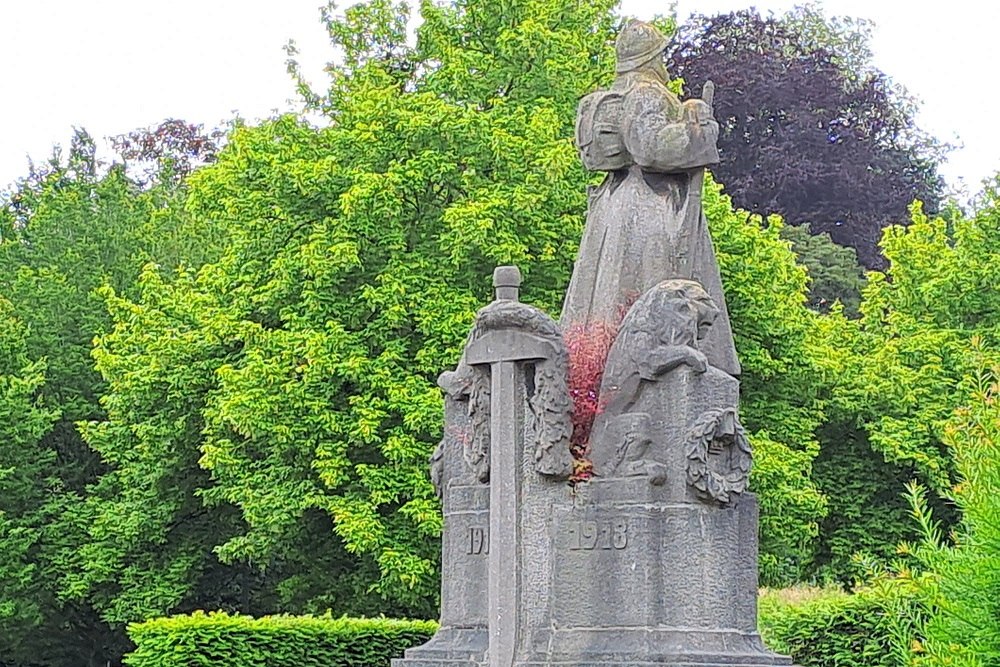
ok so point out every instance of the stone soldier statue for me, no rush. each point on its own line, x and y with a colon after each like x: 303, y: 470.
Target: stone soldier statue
x: 652, y: 561
x: 645, y: 222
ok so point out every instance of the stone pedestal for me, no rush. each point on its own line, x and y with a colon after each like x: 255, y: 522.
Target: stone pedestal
x: 640, y: 579
x: 463, y: 638
x: 651, y: 562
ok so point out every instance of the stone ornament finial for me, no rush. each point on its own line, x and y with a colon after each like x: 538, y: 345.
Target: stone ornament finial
x: 507, y: 283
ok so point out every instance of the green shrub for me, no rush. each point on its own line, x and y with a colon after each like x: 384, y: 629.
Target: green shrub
x: 220, y: 640
x: 817, y: 627
x: 956, y: 575
x: 831, y: 628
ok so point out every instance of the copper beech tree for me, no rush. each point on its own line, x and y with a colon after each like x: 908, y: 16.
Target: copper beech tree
x: 809, y: 129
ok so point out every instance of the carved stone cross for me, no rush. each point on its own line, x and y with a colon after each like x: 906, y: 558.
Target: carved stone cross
x: 506, y: 352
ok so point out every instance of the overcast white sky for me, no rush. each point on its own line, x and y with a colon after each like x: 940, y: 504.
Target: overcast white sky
x: 114, y: 65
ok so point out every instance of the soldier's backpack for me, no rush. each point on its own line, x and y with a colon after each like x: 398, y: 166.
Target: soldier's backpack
x: 598, y: 133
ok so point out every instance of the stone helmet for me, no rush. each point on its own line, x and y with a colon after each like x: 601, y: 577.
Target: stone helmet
x: 637, y: 44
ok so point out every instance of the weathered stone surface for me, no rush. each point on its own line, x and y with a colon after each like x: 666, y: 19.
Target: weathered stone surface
x: 654, y: 560
x: 508, y: 329
x: 654, y: 581
x: 463, y: 637
x: 640, y: 566
x: 664, y: 536
x: 667, y: 414
x: 515, y: 436
x: 522, y: 351
x: 644, y: 222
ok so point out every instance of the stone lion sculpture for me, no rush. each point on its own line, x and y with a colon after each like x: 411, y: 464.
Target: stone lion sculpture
x: 660, y: 334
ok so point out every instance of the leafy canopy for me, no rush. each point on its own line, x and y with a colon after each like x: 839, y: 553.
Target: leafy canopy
x: 66, y: 230
x: 282, y: 398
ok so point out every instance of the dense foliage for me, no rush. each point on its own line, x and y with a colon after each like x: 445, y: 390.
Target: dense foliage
x: 834, y: 272
x: 218, y: 359
x: 918, y: 321
x: 280, y: 403
x: 903, y: 379
x: 65, y: 231
x: 24, y: 478
x: 867, y: 514
x: 277, y: 641
x: 958, y: 579
x: 829, y: 628
x: 808, y: 129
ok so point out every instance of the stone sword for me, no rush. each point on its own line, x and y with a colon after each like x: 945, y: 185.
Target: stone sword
x: 506, y: 351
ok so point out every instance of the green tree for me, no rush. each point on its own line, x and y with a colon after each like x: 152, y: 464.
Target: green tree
x: 305, y: 357
x: 276, y: 409
x: 958, y: 578
x: 788, y: 370
x: 25, y: 487
x: 897, y: 394
x: 847, y: 157
x: 67, y: 229
x: 917, y: 321
x: 868, y: 516
x: 834, y: 271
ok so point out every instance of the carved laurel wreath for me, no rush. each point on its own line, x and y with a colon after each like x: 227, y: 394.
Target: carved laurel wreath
x: 477, y: 448
x: 711, y: 483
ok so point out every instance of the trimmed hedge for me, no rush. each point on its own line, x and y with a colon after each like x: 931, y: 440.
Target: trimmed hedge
x: 219, y: 640
x: 817, y: 627
x: 831, y: 628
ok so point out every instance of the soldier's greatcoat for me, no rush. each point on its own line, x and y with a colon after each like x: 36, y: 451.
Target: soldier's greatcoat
x: 645, y: 222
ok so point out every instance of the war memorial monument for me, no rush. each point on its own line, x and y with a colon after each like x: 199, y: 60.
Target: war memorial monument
x: 653, y: 560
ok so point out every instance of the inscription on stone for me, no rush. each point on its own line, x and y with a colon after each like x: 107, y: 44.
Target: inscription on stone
x: 590, y: 535
x: 479, y: 541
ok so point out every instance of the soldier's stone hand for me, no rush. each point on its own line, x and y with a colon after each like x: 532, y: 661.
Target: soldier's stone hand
x: 697, y: 111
